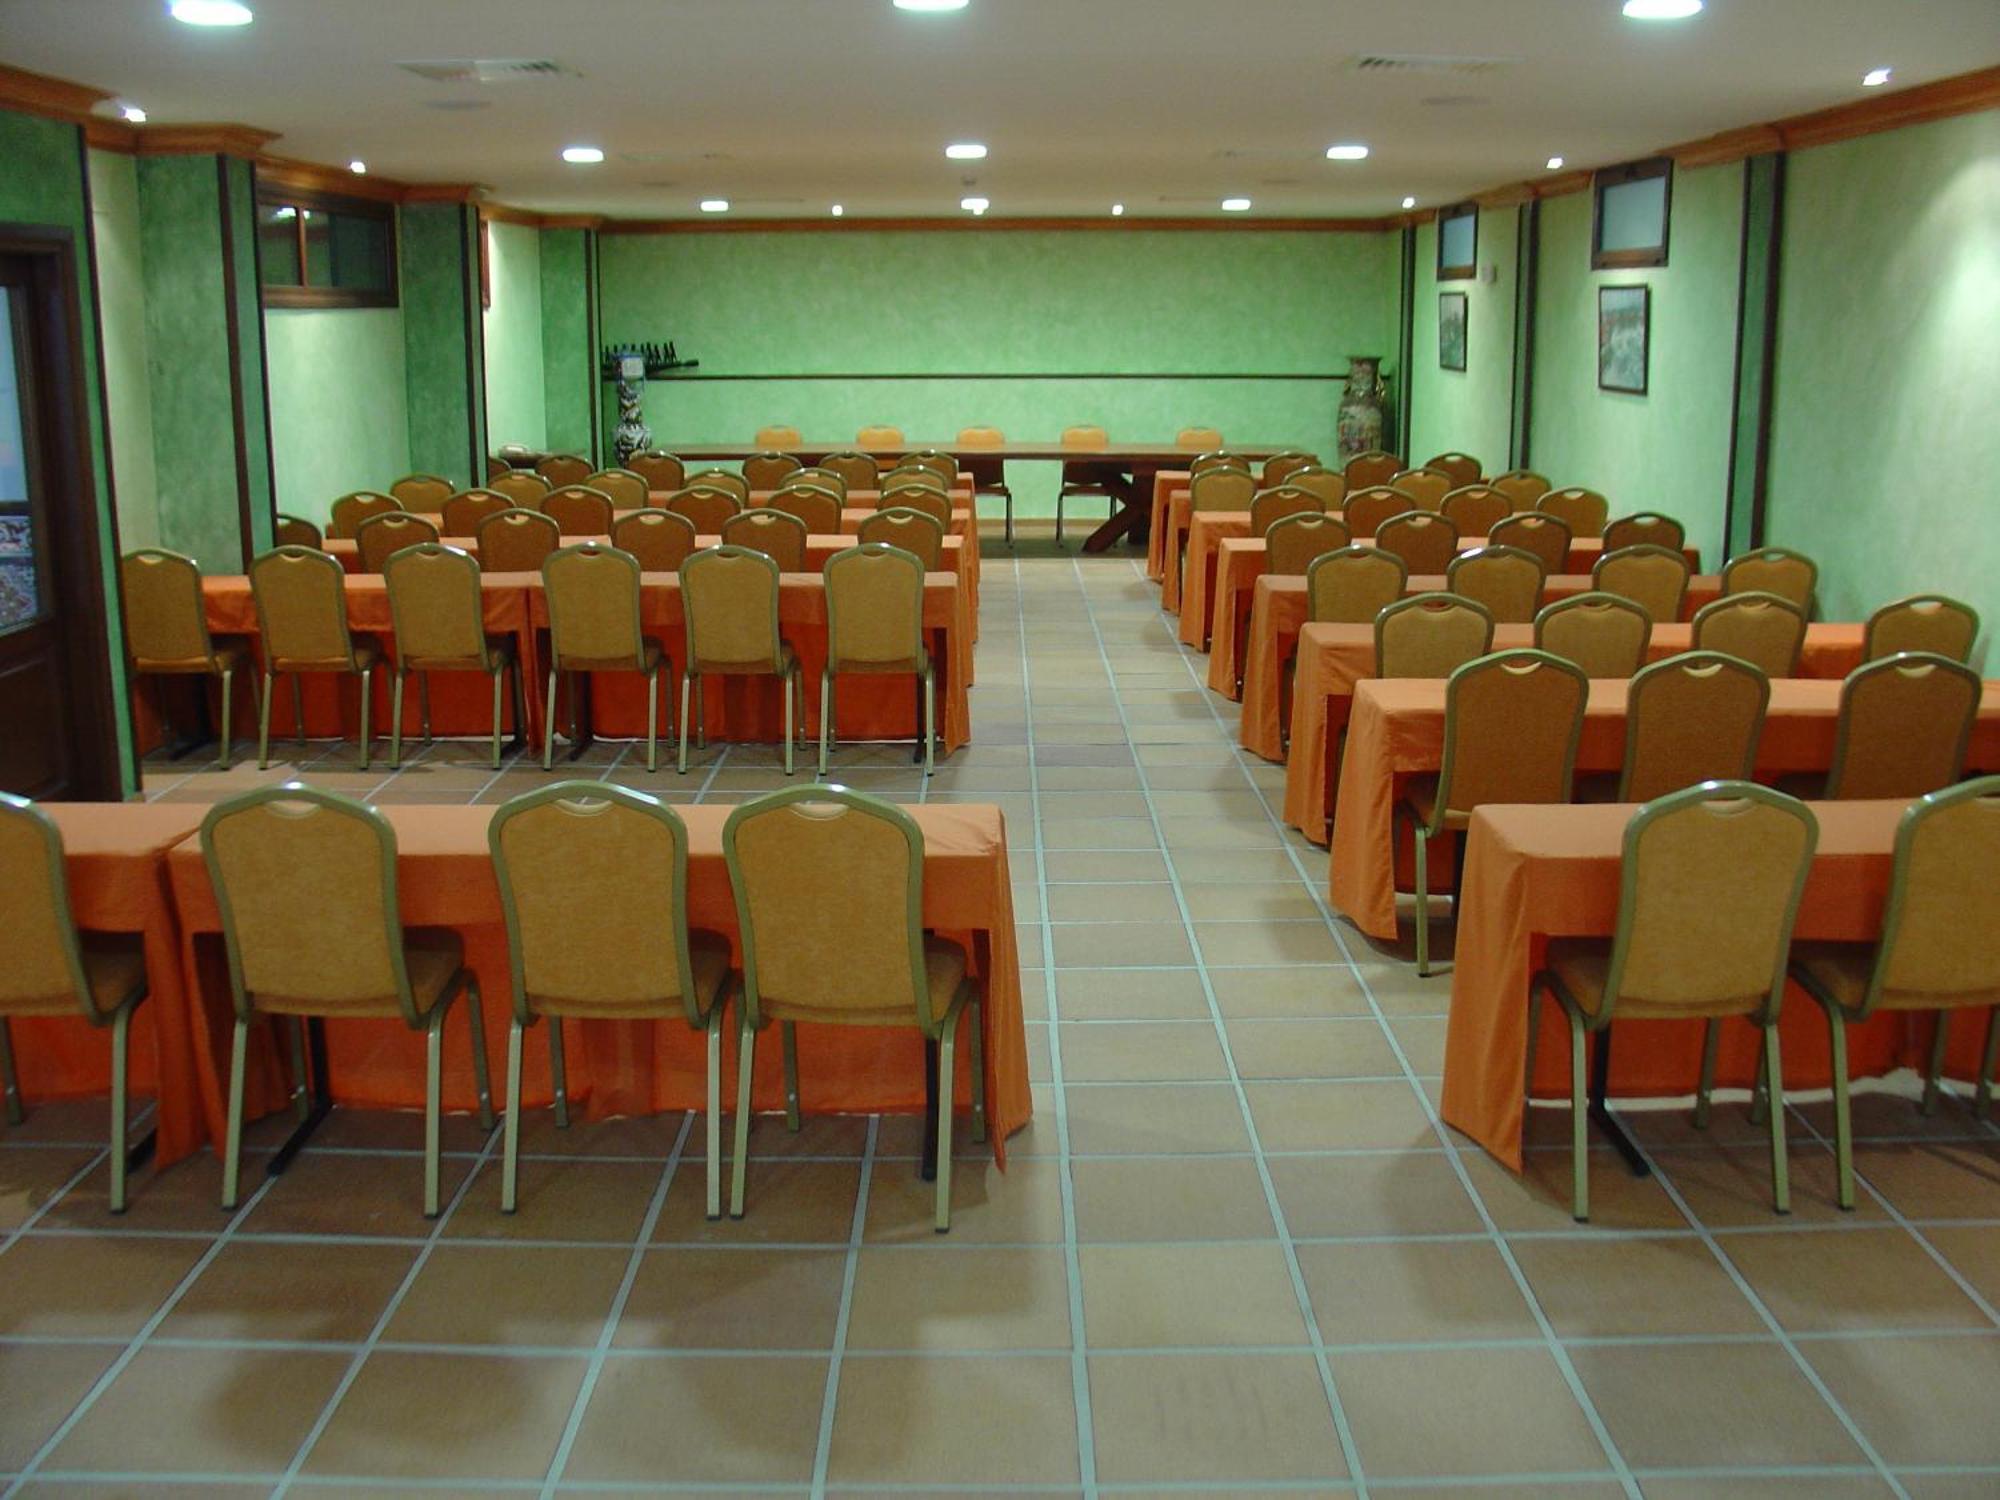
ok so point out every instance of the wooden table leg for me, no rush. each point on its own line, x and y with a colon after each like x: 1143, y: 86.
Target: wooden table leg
x: 1134, y: 514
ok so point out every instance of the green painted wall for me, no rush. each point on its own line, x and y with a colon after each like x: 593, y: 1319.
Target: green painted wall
x: 516, y: 411
x: 1667, y: 450
x: 442, y: 339
x: 339, y: 415
x: 128, y: 389
x: 1885, y: 441
x: 1466, y: 409
x: 569, y: 374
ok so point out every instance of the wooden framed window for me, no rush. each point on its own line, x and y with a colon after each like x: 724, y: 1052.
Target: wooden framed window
x: 1458, y: 242
x: 1630, y: 208
x: 322, y: 250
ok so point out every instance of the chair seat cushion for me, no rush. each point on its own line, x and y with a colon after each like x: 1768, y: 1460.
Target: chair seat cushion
x: 920, y: 663
x: 1583, y: 967
x: 114, y: 966
x: 787, y: 660
x: 499, y: 652
x: 650, y: 653
x: 1842, y: 970
x: 367, y: 656
x: 945, y: 968
x: 231, y: 656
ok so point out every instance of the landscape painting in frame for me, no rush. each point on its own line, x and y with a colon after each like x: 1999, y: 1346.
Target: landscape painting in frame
x: 1622, y: 319
x: 1451, y: 330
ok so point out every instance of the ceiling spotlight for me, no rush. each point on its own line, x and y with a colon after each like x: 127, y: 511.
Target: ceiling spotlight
x: 715, y: 205
x: 285, y: 211
x: 1555, y: 163
x: 974, y: 205
x: 358, y: 167
x: 1117, y: 210
x: 1354, y: 151
x: 1235, y: 205
x: 930, y: 5
x: 132, y: 114
x: 583, y: 156
x: 966, y: 151
x: 1874, y: 78
x: 838, y: 210
x: 1662, y: 10
x: 1409, y: 203
x: 209, y: 12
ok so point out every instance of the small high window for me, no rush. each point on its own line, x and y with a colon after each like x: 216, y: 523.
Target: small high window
x: 320, y: 250
x: 1458, y: 243
x: 1630, y: 208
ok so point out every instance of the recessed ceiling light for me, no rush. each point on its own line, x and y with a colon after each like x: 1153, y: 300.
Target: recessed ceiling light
x: 1662, y: 10
x: 1874, y: 78
x: 838, y: 210
x: 930, y: 4
x: 1235, y: 205
x: 974, y: 205
x: 210, y: 12
x: 1117, y: 210
x: 1353, y: 151
x: 583, y: 156
x: 715, y: 205
x: 965, y: 151
x: 132, y: 113
x: 358, y: 167
x: 1555, y: 163
x: 285, y: 211
x: 1409, y: 203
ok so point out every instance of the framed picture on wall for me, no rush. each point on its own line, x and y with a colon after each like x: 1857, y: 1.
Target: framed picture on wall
x: 1624, y: 316
x: 1451, y: 330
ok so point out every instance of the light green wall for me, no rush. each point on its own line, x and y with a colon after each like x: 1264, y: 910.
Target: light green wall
x: 1886, y: 422
x: 516, y: 410
x: 339, y: 417
x: 114, y: 197
x: 1667, y: 450
x: 442, y: 338
x: 569, y: 376
x: 1466, y: 410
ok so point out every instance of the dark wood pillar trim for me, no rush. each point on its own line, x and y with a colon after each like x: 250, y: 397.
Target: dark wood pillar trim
x: 1527, y: 292
x: 246, y: 534
x: 1759, y: 258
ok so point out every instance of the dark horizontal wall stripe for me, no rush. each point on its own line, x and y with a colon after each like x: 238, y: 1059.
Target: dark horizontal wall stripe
x: 1015, y: 375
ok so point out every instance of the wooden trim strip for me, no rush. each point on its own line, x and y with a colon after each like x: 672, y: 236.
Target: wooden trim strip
x: 247, y: 536
x: 295, y: 176
x: 53, y: 98
x: 202, y: 140
x: 678, y: 377
x: 971, y: 225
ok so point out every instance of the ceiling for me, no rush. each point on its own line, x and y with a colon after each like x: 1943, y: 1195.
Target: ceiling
x: 785, y: 107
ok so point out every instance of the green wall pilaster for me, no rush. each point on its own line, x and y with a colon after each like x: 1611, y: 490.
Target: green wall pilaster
x: 569, y: 357
x: 1469, y: 410
x: 443, y: 341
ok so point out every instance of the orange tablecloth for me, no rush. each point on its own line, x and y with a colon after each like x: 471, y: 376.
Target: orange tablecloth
x: 1278, y: 609
x: 1332, y: 658
x: 1395, y: 730
x: 1166, y: 484
x: 445, y: 879
x: 1532, y: 873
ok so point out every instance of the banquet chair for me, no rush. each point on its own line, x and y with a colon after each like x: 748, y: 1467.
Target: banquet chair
x: 1221, y: 489
x: 1522, y: 487
x: 593, y: 883
x: 1353, y: 585
x: 775, y: 533
x: 1922, y: 622
x: 293, y: 531
x: 1475, y: 509
x: 1688, y: 719
x: 463, y: 512
x: 729, y: 596
x: 933, y: 503
x: 421, y: 491
x: 864, y: 960
x: 380, y: 537
x: 592, y: 591
x: 1425, y: 486
x: 1905, y: 721
x: 306, y: 884
x: 1198, y: 439
x: 1511, y: 725
x: 166, y: 631
x: 1219, y: 458
x: 660, y: 539
x: 437, y: 609
x: 52, y: 970
x: 1292, y: 542
x: 661, y: 470
x: 1548, y: 537
x: 913, y: 531
x: 1647, y: 528
x: 1603, y: 634
x: 705, y: 506
x: 1772, y: 570
x: 1584, y: 510
x: 914, y: 476
x: 1316, y: 479
x: 818, y: 508
x: 1282, y: 500
x: 778, y: 437
x: 496, y: 466
x: 875, y: 625
x: 989, y: 474
x: 720, y: 479
x: 1366, y: 509
x: 1281, y: 466
x: 1935, y: 953
x: 515, y: 541
x: 1460, y: 468
x: 1762, y: 629
x: 301, y: 599
x: 1081, y: 476
x: 564, y: 468
x: 857, y: 471
x: 522, y: 486
x: 349, y: 511
x: 628, y: 489
x: 1709, y: 889
x: 879, y: 436
x: 820, y: 475
x: 1507, y: 581
x: 1425, y: 540
x: 936, y: 460
x: 1371, y: 468
x: 768, y: 470
x: 1430, y: 635
x: 579, y: 510
x: 1654, y: 578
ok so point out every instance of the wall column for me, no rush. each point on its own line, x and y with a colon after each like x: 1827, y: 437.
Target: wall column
x: 444, y: 352
x: 1756, y: 348
x: 571, y: 389
x: 1527, y: 266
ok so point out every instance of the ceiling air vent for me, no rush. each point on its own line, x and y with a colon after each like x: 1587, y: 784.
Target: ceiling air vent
x: 488, y: 69
x: 1413, y: 62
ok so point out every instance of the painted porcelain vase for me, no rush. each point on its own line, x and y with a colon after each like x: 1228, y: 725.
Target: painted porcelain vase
x: 632, y: 435
x: 1361, y: 405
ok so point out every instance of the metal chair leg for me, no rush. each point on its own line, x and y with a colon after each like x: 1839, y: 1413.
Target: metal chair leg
x: 510, y: 1155
x: 482, y: 1078
x: 264, y: 722
x: 424, y: 703
x: 299, y: 705
x: 222, y: 730
x: 1534, y: 1039
x: 1579, y: 1121
x: 788, y: 1036
x: 653, y: 720
x: 946, y: 1045
x: 1934, y: 1069
x: 1843, y: 1120
x: 367, y: 707
x: 302, y: 1100
x: 499, y: 676
x: 232, y: 1140
x: 1711, y: 1040
x: 746, y: 1060
x: 1760, y: 1101
x: 975, y: 1040
x: 714, y: 1163
x: 930, y: 721
x: 396, y: 721
x: 1982, y: 1097
x: 10, y: 1080
x: 687, y: 688
x: 549, y: 725
x: 120, y: 1026
x: 433, y: 1107
x: 825, y: 716
x: 1774, y: 1082
x: 789, y: 679
x: 558, y: 1072
x: 1423, y: 902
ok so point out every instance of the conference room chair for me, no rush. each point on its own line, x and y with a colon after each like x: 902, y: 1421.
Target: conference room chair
x: 661, y: 470
x: 422, y: 491
x: 766, y: 471
x: 818, y: 507
x: 522, y: 486
x: 626, y: 487
x: 382, y: 536
x: 166, y: 631
x: 1217, y: 458
x: 660, y: 539
x: 1691, y: 718
x: 1762, y: 629
x: 1584, y: 510
x: 1935, y: 953
x: 579, y: 510
x: 936, y: 460
x: 1475, y: 509
x: 1425, y: 540
x: 1353, y: 585
x: 1198, y: 439
x: 1905, y: 721
x: 777, y: 534
x: 1373, y: 467
x: 875, y: 626
x: 864, y: 959
x: 1282, y: 500
x: 729, y: 596
x: 1460, y: 468
x: 1522, y: 487
x: 306, y: 883
x: 1654, y: 578
x: 1922, y: 622
x: 496, y: 466
x: 349, y: 511
x: 1647, y: 529
x: 989, y: 475
x: 294, y: 531
x: 933, y: 503
x: 913, y: 531
x: 917, y: 476
x: 707, y: 507
x: 593, y: 883
x: 1505, y: 581
x: 778, y: 437
x: 1772, y: 570
x: 53, y: 971
x: 1430, y: 635
x: 1081, y: 476
x: 564, y: 468
x: 1316, y: 478
x: 301, y: 599
x: 821, y: 475
x: 592, y: 592
x: 879, y: 436
x: 1425, y: 486
x: 1280, y: 466
x: 515, y: 541
x: 464, y: 511
x: 1548, y: 537
x: 857, y: 471
x: 1604, y: 634
x: 1292, y: 542
x: 720, y: 479
x: 1709, y: 889
x: 439, y: 617
x: 1367, y: 508
x: 1221, y: 489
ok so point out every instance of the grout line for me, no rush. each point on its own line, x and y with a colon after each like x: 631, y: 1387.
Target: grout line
x: 823, y: 1443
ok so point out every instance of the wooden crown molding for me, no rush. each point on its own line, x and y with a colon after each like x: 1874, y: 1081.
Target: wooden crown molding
x: 1962, y: 94
x: 52, y: 98
x: 245, y: 141
x: 969, y: 224
x: 315, y: 177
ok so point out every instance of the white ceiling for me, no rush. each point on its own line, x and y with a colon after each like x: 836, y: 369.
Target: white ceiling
x: 787, y: 106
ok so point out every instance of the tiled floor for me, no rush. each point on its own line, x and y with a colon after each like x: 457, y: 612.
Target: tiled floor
x: 1235, y: 1253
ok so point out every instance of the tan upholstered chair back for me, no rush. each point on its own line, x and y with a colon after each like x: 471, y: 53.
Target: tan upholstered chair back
x: 294, y: 531
x: 775, y: 533
x: 1198, y: 439
x: 422, y: 492
x: 1654, y: 578
x: 1425, y: 540
x: 44, y: 970
x: 778, y: 437
x: 1354, y: 585
x: 914, y: 532
x: 813, y: 504
x: 1221, y: 458
x: 564, y: 468
x: 579, y: 510
x: 821, y: 475
x: 1430, y: 635
x: 1292, y: 542
x: 720, y: 479
x: 1084, y: 436
x: 939, y: 463
x: 1904, y: 724
x: 729, y: 596
x: 1366, y: 509
x: 301, y: 598
x: 1460, y: 468
x: 1766, y: 631
x: 1221, y: 489
x: 659, y: 539
x: 1425, y: 486
x: 707, y: 507
x: 1606, y: 636
x: 462, y: 513
x: 921, y: 476
x: 1476, y: 509
x: 874, y: 607
x: 1522, y: 487
x: 980, y: 437
x: 766, y: 471
x: 933, y: 503
x: 1772, y: 570
x: 1329, y: 484
x: 593, y: 598
x: 1548, y: 537
x: 1511, y: 724
x: 1507, y: 581
x: 857, y: 471
x: 434, y: 601
x: 661, y: 471
x: 1585, y: 510
x: 626, y: 487
x: 165, y: 620
x: 522, y: 486
x: 1944, y: 904
x: 879, y: 436
x: 1691, y: 718
x: 1922, y: 622
x: 1372, y: 468
x: 1648, y: 529
x: 381, y: 537
x: 516, y: 541
x: 1284, y: 500
x: 349, y: 511
x: 1280, y: 466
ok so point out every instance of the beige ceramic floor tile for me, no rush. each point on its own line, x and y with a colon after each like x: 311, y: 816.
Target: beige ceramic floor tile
x: 960, y: 1298
x: 1190, y: 1198
x: 1128, y: 1118
x: 1593, y: 1287
x: 71, y: 1286
x: 733, y: 1299
x: 1153, y: 1296
x: 1439, y: 1290
x: 1919, y: 1401
x: 1214, y: 1418
x: 262, y: 1289
x: 509, y: 1294
x: 415, y: 1416
x: 1846, y: 1280
x: 720, y: 1420
x: 43, y: 1382
x: 917, y: 1419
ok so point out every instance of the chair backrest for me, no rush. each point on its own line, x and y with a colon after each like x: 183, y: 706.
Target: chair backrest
x: 434, y: 603
x: 301, y: 598
x: 422, y: 491
x: 463, y: 512
x: 1766, y: 631
x: 720, y: 479
x: 729, y: 596
x: 1292, y: 542
x: 908, y: 474
x: 1506, y: 580
x: 1221, y: 489
x: 1425, y: 486
x: 1220, y: 458
x: 1937, y: 943
x: 1353, y: 585
x: 1654, y: 578
x: 593, y: 884
x: 813, y: 504
x: 496, y: 466
x: 306, y: 883
x: 1605, y: 635
x: 1475, y: 509
x: 295, y: 531
x: 383, y: 535
x: 1460, y: 468
x: 1430, y: 635
x: 165, y: 620
x: 627, y: 488
x: 1548, y: 537
x: 778, y: 437
x: 1366, y: 509
x: 874, y: 607
x: 1511, y: 725
x: 661, y: 471
x: 1691, y: 718
x: 1708, y: 892
x: 857, y: 471
x: 1646, y: 528
x: 879, y: 436
x: 349, y: 511
x: 1373, y: 467
x: 1522, y: 487
x: 1279, y: 466
x: 44, y: 961
x: 1922, y: 622
x: 766, y: 471
x: 706, y: 506
x: 1772, y: 570
x: 522, y: 486
x: 516, y: 541
x: 1585, y: 510
x: 1317, y: 479
x: 1084, y: 435
x: 980, y: 437
x: 913, y: 531
x: 1198, y: 439
x: 1905, y: 721
x: 938, y: 462
x: 777, y: 534
x: 660, y: 539
x: 564, y: 468
x: 1282, y: 500
x: 934, y: 503
x: 1425, y: 540
x: 821, y: 475
x: 579, y: 510
x: 592, y: 590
